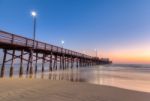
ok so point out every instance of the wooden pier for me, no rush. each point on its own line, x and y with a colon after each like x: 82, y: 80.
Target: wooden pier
x: 29, y: 50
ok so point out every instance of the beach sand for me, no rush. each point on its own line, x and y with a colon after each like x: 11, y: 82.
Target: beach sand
x: 49, y: 90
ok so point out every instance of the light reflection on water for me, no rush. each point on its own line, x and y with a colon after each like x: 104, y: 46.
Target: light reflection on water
x: 112, y: 75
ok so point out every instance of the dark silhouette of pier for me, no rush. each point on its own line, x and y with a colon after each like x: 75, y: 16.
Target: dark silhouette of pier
x: 57, y: 57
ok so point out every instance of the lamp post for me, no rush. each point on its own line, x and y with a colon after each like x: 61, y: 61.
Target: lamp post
x: 62, y: 42
x: 34, y: 14
x: 95, y: 52
x: 63, y: 61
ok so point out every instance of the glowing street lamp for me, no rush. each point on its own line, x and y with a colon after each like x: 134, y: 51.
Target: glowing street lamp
x: 33, y: 13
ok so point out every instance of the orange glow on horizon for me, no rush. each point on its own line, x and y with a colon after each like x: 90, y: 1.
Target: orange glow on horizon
x: 134, y: 54
x: 130, y: 59
x: 129, y: 56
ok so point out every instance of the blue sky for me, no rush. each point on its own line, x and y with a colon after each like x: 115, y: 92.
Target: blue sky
x: 108, y: 25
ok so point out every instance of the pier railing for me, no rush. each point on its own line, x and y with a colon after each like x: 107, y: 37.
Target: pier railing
x: 16, y: 40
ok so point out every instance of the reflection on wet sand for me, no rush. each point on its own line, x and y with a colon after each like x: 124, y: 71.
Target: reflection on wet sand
x: 127, y: 78
x: 69, y: 74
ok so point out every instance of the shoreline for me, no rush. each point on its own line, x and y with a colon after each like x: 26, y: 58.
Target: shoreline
x: 26, y: 89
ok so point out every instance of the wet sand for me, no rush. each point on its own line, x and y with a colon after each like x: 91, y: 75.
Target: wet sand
x: 53, y: 90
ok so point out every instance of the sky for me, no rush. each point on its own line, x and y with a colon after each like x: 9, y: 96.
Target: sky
x: 118, y: 29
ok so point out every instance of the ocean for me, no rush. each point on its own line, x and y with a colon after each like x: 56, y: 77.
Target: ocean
x: 126, y: 76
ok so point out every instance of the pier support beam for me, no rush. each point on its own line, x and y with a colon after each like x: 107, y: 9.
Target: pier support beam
x: 77, y: 63
x: 55, y: 62
x: 63, y: 61
x: 72, y: 62
x: 50, y: 64
x: 3, y: 64
x: 31, y: 62
x: 21, y: 64
x: 28, y: 64
x: 12, y: 62
x: 60, y: 62
x: 43, y: 62
x: 67, y: 62
x: 36, y: 64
